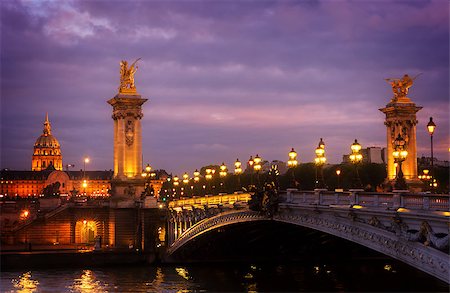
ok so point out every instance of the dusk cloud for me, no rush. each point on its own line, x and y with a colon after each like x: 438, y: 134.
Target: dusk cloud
x: 224, y: 79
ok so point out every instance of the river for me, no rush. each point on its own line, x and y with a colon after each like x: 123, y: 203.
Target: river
x: 355, y: 275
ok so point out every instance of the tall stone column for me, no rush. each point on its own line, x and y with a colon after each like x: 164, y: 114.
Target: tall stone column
x: 127, y: 115
x: 401, y: 119
x: 127, y: 183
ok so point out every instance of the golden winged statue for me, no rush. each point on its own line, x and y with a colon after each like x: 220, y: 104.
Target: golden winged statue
x: 400, y: 86
x: 127, y: 84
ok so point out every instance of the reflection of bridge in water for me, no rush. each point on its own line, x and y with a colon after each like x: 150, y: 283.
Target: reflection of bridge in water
x: 413, y: 228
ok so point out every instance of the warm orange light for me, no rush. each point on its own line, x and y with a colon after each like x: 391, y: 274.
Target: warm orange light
x: 87, y: 160
x: 237, y: 164
x: 431, y: 126
x: 292, y: 154
x: 223, y: 167
x: 84, y: 222
x: 24, y: 214
x: 338, y: 172
x: 257, y: 159
x: 251, y: 161
x: 196, y: 173
x: 148, y: 168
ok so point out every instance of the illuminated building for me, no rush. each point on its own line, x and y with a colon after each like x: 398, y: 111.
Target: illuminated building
x: 47, y: 150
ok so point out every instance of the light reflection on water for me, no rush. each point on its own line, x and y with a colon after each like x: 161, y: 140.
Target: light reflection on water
x: 24, y: 283
x: 225, y: 278
x: 88, y: 283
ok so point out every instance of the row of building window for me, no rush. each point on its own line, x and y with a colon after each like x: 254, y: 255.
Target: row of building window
x: 45, y: 152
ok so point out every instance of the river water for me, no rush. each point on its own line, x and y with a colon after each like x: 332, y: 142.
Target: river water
x: 355, y: 275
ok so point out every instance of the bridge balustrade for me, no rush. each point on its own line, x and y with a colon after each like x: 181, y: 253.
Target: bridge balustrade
x: 394, y: 200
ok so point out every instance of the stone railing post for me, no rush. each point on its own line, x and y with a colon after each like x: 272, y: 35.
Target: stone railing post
x: 353, y: 196
x: 426, y: 203
x: 290, y: 194
x: 397, y: 199
x: 318, y: 199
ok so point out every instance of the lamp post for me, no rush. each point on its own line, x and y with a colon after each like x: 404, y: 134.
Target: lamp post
x: 208, y: 177
x: 292, y: 163
x: 148, y: 175
x: 196, y: 179
x: 86, y: 160
x: 237, y: 172
x: 251, y: 162
x: 186, y: 181
x: 431, y: 127
x: 176, y: 183
x: 356, y: 158
x: 338, y: 173
x: 257, y: 167
x: 320, y: 160
x: 400, y: 153
x: 223, y: 173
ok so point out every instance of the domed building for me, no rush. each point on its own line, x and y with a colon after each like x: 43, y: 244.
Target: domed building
x: 47, y: 151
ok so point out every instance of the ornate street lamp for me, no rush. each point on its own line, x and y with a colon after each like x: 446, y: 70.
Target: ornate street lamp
x: 356, y: 158
x: 320, y: 160
x: 176, y: 183
x: 186, y: 182
x: 251, y: 162
x: 400, y: 153
x: 196, y: 178
x: 237, y: 172
x: 257, y: 167
x: 292, y: 163
x: 223, y: 173
x: 431, y: 127
x: 148, y: 175
x: 208, y: 177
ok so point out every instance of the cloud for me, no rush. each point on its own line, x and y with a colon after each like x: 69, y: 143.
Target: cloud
x: 224, y: 79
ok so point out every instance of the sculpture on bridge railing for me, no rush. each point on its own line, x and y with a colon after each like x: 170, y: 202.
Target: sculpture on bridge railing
x: 266, y: 200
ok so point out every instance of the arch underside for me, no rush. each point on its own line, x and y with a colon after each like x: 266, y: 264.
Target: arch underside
x: 427, y: 259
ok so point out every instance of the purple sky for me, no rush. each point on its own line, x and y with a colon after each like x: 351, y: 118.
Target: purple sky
x: 225, y: 79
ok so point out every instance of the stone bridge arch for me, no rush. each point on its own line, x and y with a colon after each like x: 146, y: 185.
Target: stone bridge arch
x: 395, y: 245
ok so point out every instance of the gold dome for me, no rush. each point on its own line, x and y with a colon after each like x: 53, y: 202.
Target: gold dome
x: 46, y: 141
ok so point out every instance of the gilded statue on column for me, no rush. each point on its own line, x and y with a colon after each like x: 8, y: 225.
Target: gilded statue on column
x: 127, y: 84
x: 400, y: 86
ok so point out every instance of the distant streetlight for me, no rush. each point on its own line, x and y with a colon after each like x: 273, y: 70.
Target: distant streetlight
x: 292, y: 164
x: 431, y: 127
x: 338, y: 173
x: 86, y: 160
x: 176, y: 183
x: 400, y: 153
x: 186, y: 182
x: 356, y: 158
x: 148, y: 175
x: 251, y: 162
x: 237, y: 172
x: 196, y: 178
x: 208, y: 177
x: 223, y: 173
x: 257, y: 167
x: 320, y: 160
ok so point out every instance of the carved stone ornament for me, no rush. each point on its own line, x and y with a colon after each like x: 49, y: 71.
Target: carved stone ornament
x: 129, y: 132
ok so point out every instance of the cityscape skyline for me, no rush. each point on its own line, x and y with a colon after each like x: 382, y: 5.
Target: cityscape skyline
x: 224, y: 81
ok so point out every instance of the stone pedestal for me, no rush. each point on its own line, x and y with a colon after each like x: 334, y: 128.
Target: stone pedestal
x: 401, y: 119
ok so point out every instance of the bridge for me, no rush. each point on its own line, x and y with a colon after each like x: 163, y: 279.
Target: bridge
x: 412, y: 228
